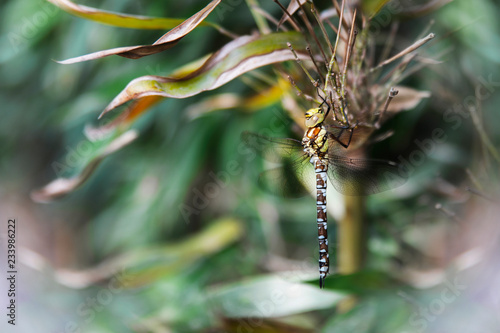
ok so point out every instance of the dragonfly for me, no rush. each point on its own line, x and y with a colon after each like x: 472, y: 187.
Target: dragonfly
x: 325, y: 148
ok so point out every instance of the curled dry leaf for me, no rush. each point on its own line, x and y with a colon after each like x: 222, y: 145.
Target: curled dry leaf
x: 241, y: 55
x: 62, y: 186
x: 406, y: 99
x: 142, y: 266
x: 292, y: 8
x: 167, y: 41
x: 224, y: 101
x: 214, y: 103
x: 123, y: 120
x: 118, y: 19
x: 412, y: 9
x: 372, y: 7
x: 407, y: 51
x: 140, y: 106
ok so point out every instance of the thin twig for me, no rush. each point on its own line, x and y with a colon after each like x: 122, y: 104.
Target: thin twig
x: 293, y: 22
x: 447, y: 212
x: 322, y: 27
x: 333, y: 59
x: 482, y: 134
x: 350, y: 44
x: 390, y: 41
x: 409, y: 49
x: 300, y: 64
x: 224, y: 31
x: 339, y: 33
x: 300, y: 92
x: 392, y: 93
x: 259, y: 19
x: 400, y: 68
x: 251, y: 82
x: 334, y: 28
x: 473, y: 178
x: 339, y: 11
x: 263, y: 77
x: 426, y: 29
x: 346, y: 61
x: 480, y: 194
x: 270, y: 18
x: 310, y: 29
x: 315, y: 65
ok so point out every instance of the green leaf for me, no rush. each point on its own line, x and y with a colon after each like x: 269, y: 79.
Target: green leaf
x: 242, y: 55
x: 361, y: 282
x: 372, y: 7
x: 143, y: 266
x: 255, y: 102
x: 84, y: 159
x: 387, y: 312
x: 120, y: 19
x: 360, y: 320
x: 270, y: 296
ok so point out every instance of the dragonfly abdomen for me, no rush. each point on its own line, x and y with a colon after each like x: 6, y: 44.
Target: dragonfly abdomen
x: 321, y: 169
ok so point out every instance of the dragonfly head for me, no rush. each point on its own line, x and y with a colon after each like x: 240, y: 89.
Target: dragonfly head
x: 314, y: 117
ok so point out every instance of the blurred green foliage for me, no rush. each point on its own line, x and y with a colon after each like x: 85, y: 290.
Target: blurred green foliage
x: 136, y: 202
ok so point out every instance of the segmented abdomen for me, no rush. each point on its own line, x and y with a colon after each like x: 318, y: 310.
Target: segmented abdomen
x: 320, y: 169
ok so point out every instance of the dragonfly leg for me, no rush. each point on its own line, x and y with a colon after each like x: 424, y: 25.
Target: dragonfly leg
x: 324, y: 102
x: 348, y: 128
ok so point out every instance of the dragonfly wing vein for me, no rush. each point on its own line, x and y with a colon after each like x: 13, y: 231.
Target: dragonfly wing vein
x: 272, y: 149
x: 364, y: 176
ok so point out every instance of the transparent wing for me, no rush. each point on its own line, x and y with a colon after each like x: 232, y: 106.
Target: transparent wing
x: 364, y: 176
x: 291, y: 180
x: 272, y: 149
x: 288, y: 179
x: 352, y: 137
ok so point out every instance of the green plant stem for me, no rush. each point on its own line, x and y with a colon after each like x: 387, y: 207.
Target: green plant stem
x: 478, y: 124
x: 259, y: 19
x: 351, y: 242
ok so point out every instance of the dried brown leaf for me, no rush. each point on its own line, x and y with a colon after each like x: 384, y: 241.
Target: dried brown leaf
x: 406, y: 99
x: 292, y: 8
x: 167, y: 41
x: 62, y: 186
x: 240, y: 56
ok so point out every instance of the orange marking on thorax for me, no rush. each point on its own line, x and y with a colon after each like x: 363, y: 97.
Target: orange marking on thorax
x: 312, y: 133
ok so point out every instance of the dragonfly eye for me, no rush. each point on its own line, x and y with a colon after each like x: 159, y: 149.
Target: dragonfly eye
x: 314, y: 117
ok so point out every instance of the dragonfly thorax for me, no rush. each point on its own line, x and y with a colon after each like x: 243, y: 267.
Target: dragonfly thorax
x: 315, y: 142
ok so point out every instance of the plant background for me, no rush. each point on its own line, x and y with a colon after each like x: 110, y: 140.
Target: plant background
x: 131, y: 205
